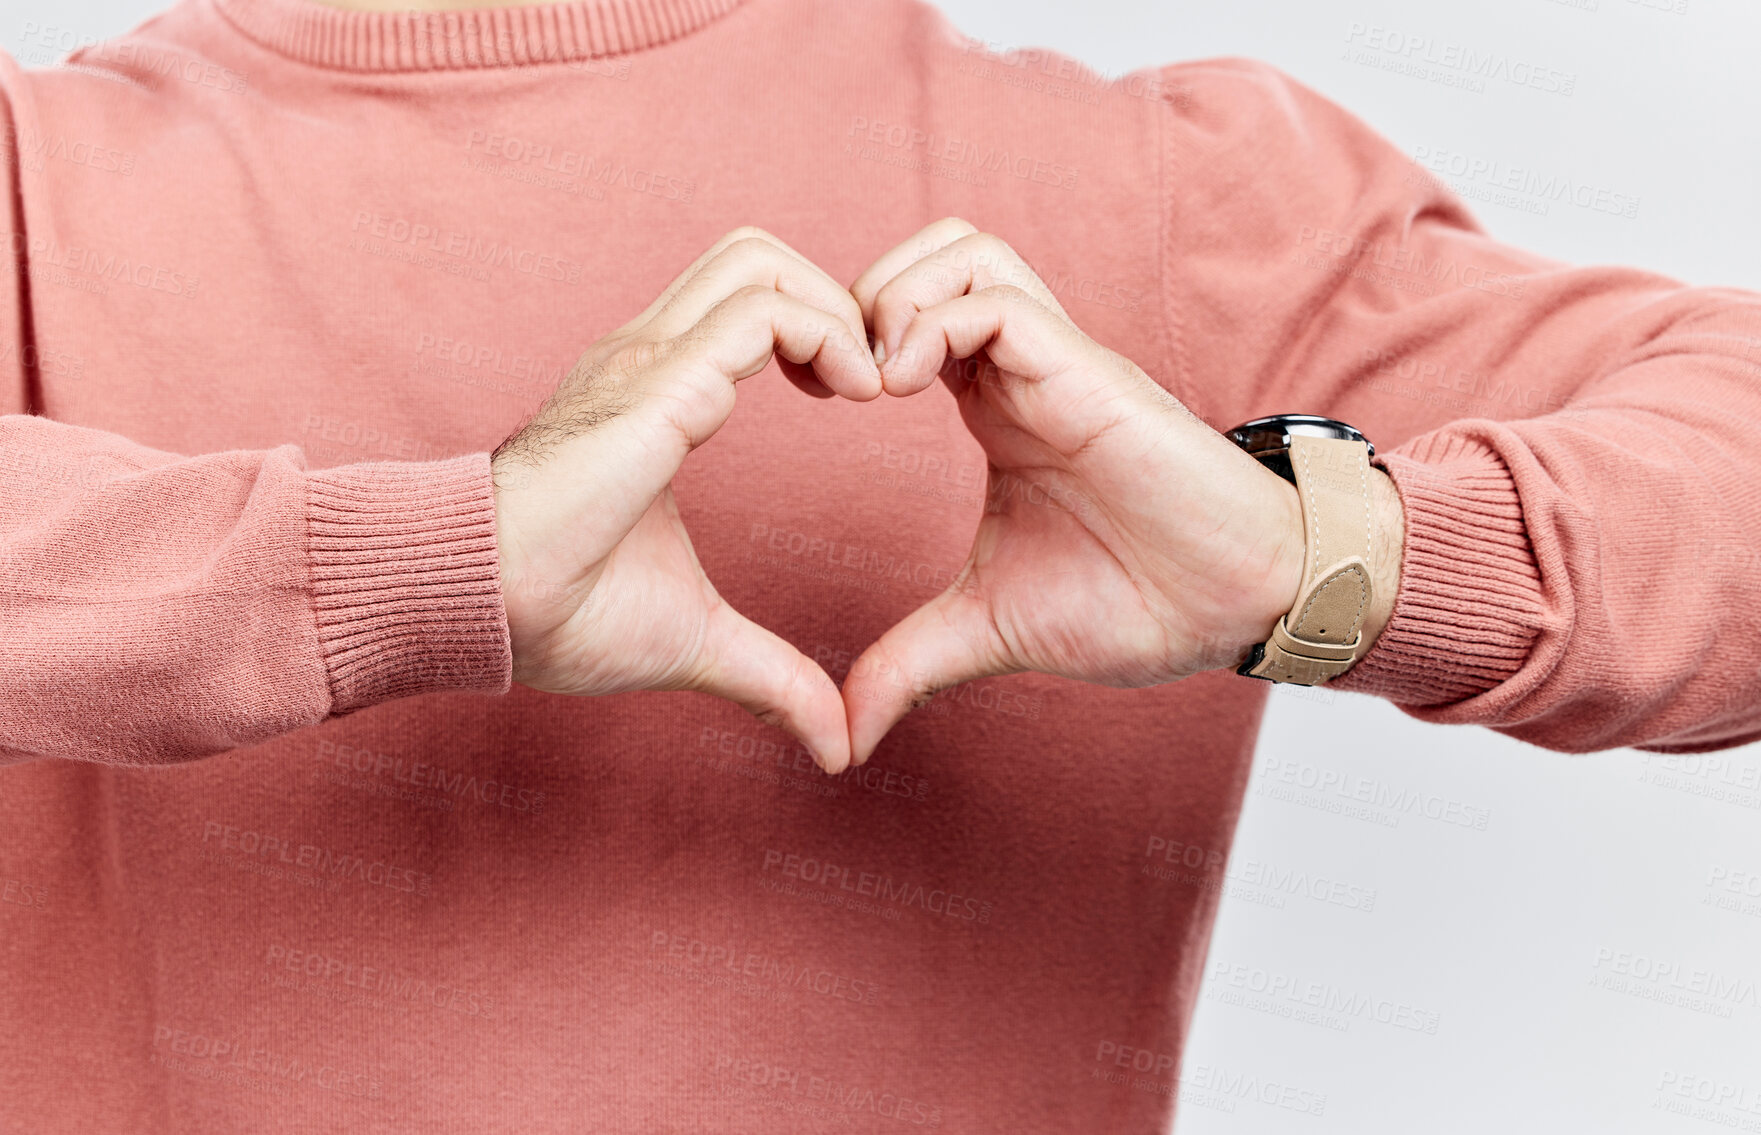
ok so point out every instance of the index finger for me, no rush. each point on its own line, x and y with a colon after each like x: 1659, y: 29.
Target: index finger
x: 744, y: 232
x: 930, y: 239
x: 750, y: 256
x: 968, y: 264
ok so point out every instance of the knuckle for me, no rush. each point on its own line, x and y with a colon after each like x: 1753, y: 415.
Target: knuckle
x: 838, y: 333
x: 689, y: 347
x: 912, y: 291
x: 586, y: 376
x: 638, y: 355
x: 939, y: 236
x: 750, y: 248
x: 613, y: 376
x: 887, y: 296
x: 748, y: 242
x: 750, y: 296
x: 1008, y: 293
x: 741, y: 305
x: 996, y: 257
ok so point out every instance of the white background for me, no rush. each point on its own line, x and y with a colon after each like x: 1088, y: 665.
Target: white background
x: 1513, y: 938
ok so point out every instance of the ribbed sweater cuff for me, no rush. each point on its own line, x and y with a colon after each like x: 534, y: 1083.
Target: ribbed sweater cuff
x: 1469, y: 606
x: 406, y: 579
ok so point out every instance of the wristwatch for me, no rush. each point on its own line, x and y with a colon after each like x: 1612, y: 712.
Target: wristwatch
x: 1329, y: 463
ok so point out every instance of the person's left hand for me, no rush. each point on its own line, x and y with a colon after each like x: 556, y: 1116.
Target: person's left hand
x: 1123, y: 542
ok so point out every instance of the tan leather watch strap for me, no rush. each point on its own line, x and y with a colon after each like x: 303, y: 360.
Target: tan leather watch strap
x: 1321, y: 636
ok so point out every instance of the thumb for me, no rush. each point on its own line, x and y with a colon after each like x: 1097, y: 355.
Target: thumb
x: 949, y: 640
x: 764, y: 675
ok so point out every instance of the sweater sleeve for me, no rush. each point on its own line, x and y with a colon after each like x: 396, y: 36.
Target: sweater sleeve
x: 1577, y: 449
x: 156, y: 608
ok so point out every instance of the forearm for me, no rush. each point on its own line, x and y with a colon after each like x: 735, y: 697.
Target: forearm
x: 156, y: 608
x: 1574, y: 449
x: 1587, y: 579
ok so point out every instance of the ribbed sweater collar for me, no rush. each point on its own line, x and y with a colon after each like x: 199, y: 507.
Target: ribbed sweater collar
x: 488, y: 37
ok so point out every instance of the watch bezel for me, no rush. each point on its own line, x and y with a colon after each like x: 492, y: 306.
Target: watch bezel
x: 1267, y: 439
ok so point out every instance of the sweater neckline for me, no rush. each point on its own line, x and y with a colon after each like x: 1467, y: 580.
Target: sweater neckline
x: 573, y: 30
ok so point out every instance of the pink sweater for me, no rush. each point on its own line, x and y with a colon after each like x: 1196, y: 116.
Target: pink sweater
x: 280, y: 849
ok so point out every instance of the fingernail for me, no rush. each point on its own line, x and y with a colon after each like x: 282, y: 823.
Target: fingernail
x: 880, y: 353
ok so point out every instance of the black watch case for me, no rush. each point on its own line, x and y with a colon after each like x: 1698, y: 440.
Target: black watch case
x: 1268, y: 439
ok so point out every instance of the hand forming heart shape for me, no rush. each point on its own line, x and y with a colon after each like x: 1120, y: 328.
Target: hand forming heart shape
x: 1123, y: 541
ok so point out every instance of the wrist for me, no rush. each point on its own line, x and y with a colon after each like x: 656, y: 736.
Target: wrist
x: 1285, y: 566
x: 1288, y: 567
x: 507, y: 478
x: 542, y: 583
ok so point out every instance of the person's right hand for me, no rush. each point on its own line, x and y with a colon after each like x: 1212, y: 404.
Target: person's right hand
x: 604, y: 593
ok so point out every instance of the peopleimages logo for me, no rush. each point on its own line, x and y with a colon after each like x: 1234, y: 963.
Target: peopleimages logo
x: 1738, y: 887
x: 377, y: 980
x: 566, y: 166
x: 463, y: 247
x: 1421, y: 55
x: 31, y: 151
x: 1422, y: 378
x: 1470, y: 169
x: 1670, y: 981
x: 1253, y: 880
x: 323, y: 862
x: 1051, y: 73
x: 213, y: 1056
x: 45, y: 469
x: 827, y: 1094
x: 20, y: 893
x: 791, y: 755
x: 1205, y: 1085
x: 836, y: 560
x: 1362, y: 797
x: 1711, y: 1092
x: 935, y: 900
x: 493, y: 360
x: 142, y: 60
x: 44, y: 359
x: 424, y: 774
x: 1713, y: 776
x: 1402, y: 263
x: 143, y: 64
x: 957, y: 154
x: 1209, y: 1085
x: 1327, y: 1004
x: 737, y: 960
x: 91, y: 269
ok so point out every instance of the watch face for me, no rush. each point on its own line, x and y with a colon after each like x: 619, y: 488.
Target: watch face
x: 1270, y: 437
